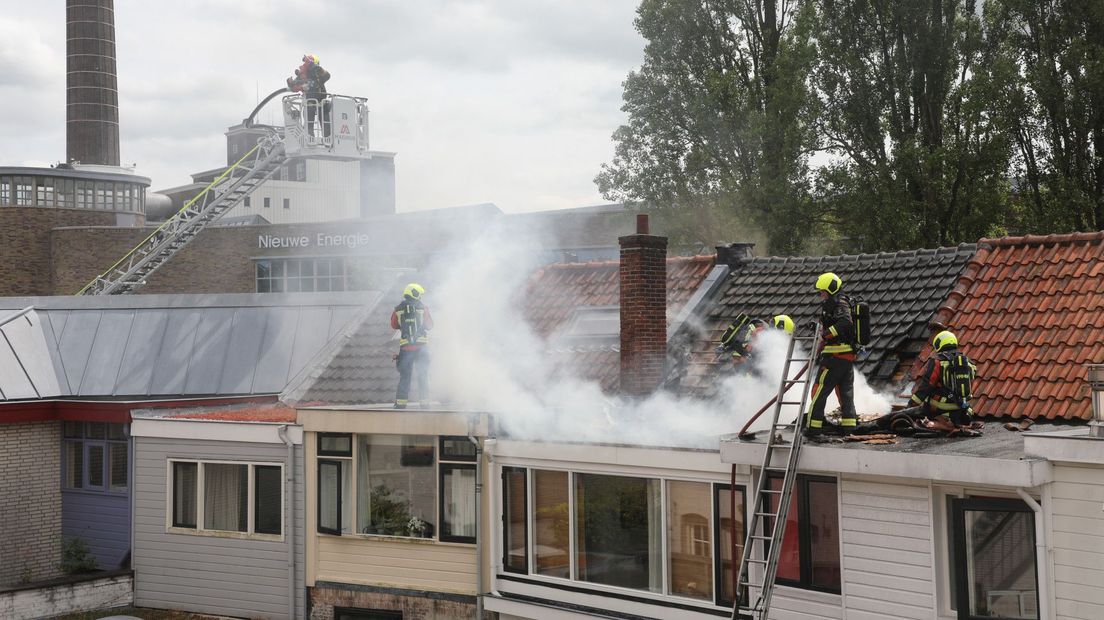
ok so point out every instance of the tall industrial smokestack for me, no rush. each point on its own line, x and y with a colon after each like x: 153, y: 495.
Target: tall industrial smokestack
x: 643, y: 310
x: 92, y: 90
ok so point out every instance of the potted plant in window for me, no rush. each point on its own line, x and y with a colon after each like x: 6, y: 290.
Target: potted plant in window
x: 388, y: 516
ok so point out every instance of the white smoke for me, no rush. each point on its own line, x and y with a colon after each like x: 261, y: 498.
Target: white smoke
x: 486, y: 357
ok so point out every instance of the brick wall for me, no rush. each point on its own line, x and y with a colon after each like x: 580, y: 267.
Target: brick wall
x: 643, y: 310
x: 25, y: 252
x: 30, y: 501
x: 422, y: 606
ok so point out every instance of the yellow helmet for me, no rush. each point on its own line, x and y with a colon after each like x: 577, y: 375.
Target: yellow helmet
x: 829, y: 283
x: 311, y: 58
x: 414, y: 291
x: 783, y: 322
x: 943, y: 340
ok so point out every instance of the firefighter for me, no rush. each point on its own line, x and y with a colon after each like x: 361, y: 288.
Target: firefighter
x: 836, y: 360
x: 739, y: 338
x: 411, y: 317
x: 310, y: 79
x: 944, y: 387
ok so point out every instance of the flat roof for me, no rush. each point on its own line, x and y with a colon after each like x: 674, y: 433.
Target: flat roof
x: 75, y: 173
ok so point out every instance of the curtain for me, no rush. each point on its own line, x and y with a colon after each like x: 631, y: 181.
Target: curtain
x: 224, y: 497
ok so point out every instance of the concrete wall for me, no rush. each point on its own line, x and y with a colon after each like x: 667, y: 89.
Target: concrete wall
x: 84, y: 593
x: 25, y: 250
x: 1077, y: 524
x: 30, y: 502
x: 209, y: 574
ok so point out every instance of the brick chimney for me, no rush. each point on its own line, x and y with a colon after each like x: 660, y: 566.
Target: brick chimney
x: 643, y: 310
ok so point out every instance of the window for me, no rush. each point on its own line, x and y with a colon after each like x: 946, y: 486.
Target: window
x: 24, y: 191
x: 300, y: 275
x: 396, y: 486
x: 267, y: 202
x: 5, y: 191
x: 681, y: 542
x: 690, y: 539
x: 617, y: 531
x: 95, y: 456
x: 515, y: 531
x: 287, y: 203
x: 457, y: 507
x: 243, y: 498
x: 994, y: 554
x: 809, y: 557
x: 334, y: 483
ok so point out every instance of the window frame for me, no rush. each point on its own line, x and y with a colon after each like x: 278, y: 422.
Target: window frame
x: 958, y: 508
x: 804, y: 540
x: 738, y: 542
x: 250, y: 499
x: 340, y: 503
x: 87, y: 443
x: 524, y: 471
x: 442, y: 468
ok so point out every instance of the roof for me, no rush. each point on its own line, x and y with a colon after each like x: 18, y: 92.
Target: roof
x: 140, y: 346
x: 278, y: 413
x: 903, y: 289
x: 555, y: 293
x: 362, y: 370
x: 1029, y: 311
x: 26, y: 370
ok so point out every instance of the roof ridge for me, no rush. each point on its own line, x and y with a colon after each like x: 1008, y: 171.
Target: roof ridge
x: 1051, y: 239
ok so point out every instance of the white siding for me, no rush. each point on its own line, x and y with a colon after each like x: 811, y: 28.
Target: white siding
x: 1077, y: 521
x: 398, y: 564
x: 886, y: 555
x: 205, y: 574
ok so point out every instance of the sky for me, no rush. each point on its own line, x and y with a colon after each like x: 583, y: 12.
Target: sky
x: 504, y: 101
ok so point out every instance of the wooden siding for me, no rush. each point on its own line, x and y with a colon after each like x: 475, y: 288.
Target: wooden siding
x: 102, y: 521
x: 887, y: 550
x: 1077, y: 524
x: 207, y: 574
x: 397, y: 564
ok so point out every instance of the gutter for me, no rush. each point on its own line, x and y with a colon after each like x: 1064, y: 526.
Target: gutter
x: 290, y: 517
x: 496, y: 553
x: 478, y: 518
x: 1041, y: 554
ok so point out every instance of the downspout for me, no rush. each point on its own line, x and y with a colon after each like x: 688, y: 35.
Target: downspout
x: 492, y: 498
x: 478, y: 519
x: 1040, y: 554
x: 290, y: 517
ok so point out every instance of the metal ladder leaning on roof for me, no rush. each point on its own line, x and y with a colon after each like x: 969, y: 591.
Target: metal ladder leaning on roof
x: 224, y: 193
x: 768, y: 523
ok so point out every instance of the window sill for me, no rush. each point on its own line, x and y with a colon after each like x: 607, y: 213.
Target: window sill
x: 221, y: 534
x: 398, y: 539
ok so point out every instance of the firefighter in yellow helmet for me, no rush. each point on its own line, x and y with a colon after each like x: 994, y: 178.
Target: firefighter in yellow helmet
x: 836, y: 361
x: 945, y: 386
x: 310, y: 79
x: 411, y: 317
x: 739, y: 338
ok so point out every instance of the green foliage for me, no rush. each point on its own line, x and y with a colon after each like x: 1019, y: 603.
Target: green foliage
x: 937, y: 122
x: 76, y: 557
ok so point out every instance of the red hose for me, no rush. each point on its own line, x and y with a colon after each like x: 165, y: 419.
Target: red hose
x: 769, y: 403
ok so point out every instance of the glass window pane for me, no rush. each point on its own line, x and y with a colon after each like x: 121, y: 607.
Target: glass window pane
x: 730, y: 547
x: 824, y: 542
x: 116, y: 432
x: 329, y: 497
x: 398, y: 486
x: 96, y: 465
x: 117, y: 466
x: 789, y: 560
x: 458, y: 501
x: 551, y: 527
x: 97, y: 430
x: 617, y: 531
x: 335, y: 445
x: 184, y: 494
x: 74, y: 464
x: 690, y: 539
x: 267, y: 507
x: 5, y: 190
x: 225, y: 490
x: 1000, y: 563
x: 514, y: 515
x: 457, y: 449
x: 73, y: 429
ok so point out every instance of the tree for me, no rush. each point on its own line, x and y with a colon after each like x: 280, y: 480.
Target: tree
x: 718, y: 130
x: 916, y: 158
x: 1051, y: 76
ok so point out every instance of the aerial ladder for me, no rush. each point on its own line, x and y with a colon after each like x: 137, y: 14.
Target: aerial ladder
x: 774, y: 487
x: 339, y: 131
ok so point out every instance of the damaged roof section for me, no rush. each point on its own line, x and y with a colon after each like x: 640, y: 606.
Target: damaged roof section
x: 574, y: 307
x: 1029, y: 311
x: 904, y: 289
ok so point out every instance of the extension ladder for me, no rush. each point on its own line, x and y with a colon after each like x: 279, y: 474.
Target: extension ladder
x: 771, y: 507
x: 223, y: 194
